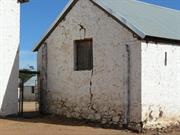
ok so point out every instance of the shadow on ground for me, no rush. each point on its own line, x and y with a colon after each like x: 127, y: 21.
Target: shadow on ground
x: 36, y: 117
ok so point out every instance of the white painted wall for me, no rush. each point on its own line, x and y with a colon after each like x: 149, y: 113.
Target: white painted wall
x: 154, y: 95
x: 67, y: 92
x: 9, y: 44
x: 28, y: 95
x: 160, y: 84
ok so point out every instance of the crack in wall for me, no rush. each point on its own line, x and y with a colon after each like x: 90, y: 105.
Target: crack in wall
x: 82, y: 28
x: 91, y: 104
x: 91, y: 112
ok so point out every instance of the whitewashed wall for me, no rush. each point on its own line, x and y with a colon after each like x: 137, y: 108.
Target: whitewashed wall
x: 160, y: 84
x: 68, y: 92
x: 9, y: 43
x: 29, y: 95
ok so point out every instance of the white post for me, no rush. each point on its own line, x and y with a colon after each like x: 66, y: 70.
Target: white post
x: 9, y: 56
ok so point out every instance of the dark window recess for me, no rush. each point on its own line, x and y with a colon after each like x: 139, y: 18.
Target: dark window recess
x: 32, y: 89
x: 83, y: 55
x: 165, y: 60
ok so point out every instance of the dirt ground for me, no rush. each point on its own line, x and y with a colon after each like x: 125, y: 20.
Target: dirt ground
x: 48, y: 125
x: 55, y: 126
x: 30, y: 106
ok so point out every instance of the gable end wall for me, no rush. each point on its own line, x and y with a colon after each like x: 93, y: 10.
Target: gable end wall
x: 70, y: 93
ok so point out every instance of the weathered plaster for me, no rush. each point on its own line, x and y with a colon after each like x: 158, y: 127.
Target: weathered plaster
x: 130, y: 82
x: 160, y: 84
x: 9, y: 44
x: 99, y: 95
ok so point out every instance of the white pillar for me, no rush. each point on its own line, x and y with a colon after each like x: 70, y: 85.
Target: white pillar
x: 9, y: 56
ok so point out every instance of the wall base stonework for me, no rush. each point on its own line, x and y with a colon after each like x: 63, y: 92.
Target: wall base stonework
x: 105, y: 115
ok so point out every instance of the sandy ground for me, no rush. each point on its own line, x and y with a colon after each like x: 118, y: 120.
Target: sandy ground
x: 48, y: 125
x: 30, y: 106
x: 56, y: 126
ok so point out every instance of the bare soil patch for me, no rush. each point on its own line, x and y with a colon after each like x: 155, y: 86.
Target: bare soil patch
x: 47, y: 125
x: 34, y: 124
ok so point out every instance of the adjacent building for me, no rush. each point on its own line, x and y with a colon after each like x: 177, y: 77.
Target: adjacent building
x: 31, y: 90
x: 9, y: 55
x: 115, y: 62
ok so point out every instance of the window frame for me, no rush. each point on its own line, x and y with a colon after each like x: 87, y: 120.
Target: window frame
x: 76, y: 68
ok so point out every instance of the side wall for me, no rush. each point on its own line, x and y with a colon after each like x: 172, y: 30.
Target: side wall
x: 9, y: 56
x: 160, y: 84
x: 101, y: 94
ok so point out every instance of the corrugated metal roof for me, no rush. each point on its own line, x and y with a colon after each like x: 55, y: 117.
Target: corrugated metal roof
x: 145, y: 19
x: 142, y: 18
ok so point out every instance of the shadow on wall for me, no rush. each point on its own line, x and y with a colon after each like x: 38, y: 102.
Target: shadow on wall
x: 10, y: 100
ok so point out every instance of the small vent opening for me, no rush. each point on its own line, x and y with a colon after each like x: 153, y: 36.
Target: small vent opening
x: 165, y: 60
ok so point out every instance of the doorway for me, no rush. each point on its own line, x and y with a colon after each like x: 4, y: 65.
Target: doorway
x: 28, y: 94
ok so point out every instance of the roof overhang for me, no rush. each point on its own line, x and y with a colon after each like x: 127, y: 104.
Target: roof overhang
x: 25, y: 75
x: 29, y: 72
x: 122, y: 20
x: 65, y: 11
x: 23, y: 1
x: 161, y: 40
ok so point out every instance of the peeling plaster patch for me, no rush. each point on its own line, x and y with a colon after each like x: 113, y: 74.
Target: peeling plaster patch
x: 151, y: 115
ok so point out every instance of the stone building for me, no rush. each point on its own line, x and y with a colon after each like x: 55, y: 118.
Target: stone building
x: 9, y: 55
x: 115, y: 62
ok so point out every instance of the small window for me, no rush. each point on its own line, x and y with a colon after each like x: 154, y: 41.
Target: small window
x: 83, y: 55
x: 32, y: 88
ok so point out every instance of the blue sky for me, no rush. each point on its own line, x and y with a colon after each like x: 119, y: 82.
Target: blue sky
x: 37, y: 16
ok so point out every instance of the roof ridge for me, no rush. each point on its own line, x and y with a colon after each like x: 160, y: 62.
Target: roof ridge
x: 158, y: 6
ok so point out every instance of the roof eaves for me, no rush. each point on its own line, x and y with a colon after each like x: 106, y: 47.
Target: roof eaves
x: 23, y: 1
x: 55, y: 23
x: 161, y: 40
